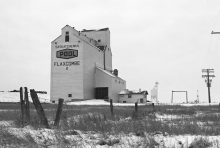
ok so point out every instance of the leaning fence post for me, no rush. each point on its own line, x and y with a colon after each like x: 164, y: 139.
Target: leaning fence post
x: 39, y: 108
x: 136, y: 106
x: 111, y: 106
x: 59, y: 110
x: 27, y: 110
x: 22, y: 106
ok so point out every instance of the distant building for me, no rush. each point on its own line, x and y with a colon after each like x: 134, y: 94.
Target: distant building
x: 127, y: 96
x: 81, y: 66
x: 154, y: 93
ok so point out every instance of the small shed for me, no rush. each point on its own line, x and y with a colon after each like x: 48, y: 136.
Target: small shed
x: 127, y: 96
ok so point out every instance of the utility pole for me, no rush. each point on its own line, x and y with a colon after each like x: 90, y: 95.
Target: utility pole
x: 208, y: 80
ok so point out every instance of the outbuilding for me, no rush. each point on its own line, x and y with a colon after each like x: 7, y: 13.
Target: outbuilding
x: 127, y: 96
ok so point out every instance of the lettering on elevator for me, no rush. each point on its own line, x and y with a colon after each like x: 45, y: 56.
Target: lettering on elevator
x: 68, y: 63
x: 67, y: 53
x: 66, y: 46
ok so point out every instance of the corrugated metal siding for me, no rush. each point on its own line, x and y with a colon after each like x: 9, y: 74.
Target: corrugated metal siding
x: 64, y: 82
x: 117, y: 86
x: 91, y: 56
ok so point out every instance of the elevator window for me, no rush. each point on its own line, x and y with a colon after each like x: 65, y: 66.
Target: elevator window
x: 67, y: 37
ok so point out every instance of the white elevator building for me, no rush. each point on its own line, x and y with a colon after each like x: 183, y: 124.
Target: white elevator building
x: 81, y: 66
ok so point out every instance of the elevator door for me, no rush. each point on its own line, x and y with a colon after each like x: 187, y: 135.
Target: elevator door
x: 101, y: 92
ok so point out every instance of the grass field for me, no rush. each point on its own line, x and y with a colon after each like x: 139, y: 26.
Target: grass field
x: 147, y: 126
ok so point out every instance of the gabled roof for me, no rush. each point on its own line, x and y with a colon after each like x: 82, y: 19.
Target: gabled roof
x: 126, y: 92
x: 67, y: 26
x: 56, y: 39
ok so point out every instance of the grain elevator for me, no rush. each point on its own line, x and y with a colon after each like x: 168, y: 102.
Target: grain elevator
x: 81, y: 66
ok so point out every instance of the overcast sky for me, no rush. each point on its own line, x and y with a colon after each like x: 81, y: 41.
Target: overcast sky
x: 151, y: 40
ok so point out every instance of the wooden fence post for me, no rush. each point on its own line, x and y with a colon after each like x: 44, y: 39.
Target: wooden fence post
x: 22, y: 106
x: 111, y: 106
x: 153, y: 106
x: 136, y: 106
x: 27, y: 110
x: 59, y: 110
x: 39, y: 108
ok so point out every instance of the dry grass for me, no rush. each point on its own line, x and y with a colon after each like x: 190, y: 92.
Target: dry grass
x: 200, y: 143
x: 9, y: 140
x: 194, y: 120
x: 126, y: 120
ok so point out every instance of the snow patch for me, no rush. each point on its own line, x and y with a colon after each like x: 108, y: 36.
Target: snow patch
x: 15, y: 97
x: 99, y: 102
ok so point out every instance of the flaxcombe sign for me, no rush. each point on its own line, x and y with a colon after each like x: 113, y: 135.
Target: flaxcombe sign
x: 67, y: 53
x: 69, y: 63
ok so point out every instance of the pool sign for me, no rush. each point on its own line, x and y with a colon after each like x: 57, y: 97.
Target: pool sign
x: 67, y: 53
